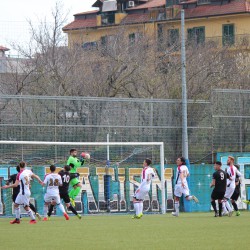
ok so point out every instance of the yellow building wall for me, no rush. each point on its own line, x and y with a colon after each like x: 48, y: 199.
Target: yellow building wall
x: 213, y: 25
x: 213, y: 28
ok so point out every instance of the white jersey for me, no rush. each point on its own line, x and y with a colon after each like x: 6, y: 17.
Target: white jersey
x: 181, y: 169
x: 146, y: 177
x: 53, y: 181
x: 24, y: 178
x: 232, y: 171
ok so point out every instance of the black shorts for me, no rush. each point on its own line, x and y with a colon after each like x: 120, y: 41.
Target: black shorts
x: 217, y: 195
x: 65, y: 197
x: 235, y: 196
x: 14, y: 195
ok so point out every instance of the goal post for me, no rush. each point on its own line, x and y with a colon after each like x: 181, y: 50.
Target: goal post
x: 120, y: 154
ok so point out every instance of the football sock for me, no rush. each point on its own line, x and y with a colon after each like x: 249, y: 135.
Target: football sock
x: 61, y: 207
x: 140, y: 207
x: 176, y: 206
x: 51, y: 207
x: 45, y: 211
x: 32, y: 207
x: 235, y: 206
x: 224, y: 206
x: 136, y: 206
x: 220, y: 208
x: 31, y: 215
x: 72, y: 209
x: 228, y: 206
x: 189, y: 198
x: 17, y: 212
x: 214, y: 206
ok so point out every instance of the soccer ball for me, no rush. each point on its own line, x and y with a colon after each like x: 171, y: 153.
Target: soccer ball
x: 85, y: 155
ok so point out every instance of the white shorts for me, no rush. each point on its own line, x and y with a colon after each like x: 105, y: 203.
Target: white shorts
x: 229, y: 192
x: 23, y: 199
x: 179, y: 191
x: 140, y: 195
x: 49, y: 198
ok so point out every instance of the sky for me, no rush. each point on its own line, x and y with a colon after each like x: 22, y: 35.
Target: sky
x: 15, y: 13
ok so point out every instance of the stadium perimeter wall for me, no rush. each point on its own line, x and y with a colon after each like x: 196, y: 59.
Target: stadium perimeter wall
x: 123, y: 183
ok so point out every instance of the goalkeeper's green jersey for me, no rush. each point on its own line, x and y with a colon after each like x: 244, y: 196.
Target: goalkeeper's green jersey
x: 74, y: 163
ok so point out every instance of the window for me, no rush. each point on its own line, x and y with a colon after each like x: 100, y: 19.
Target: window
x: 108, y: 18
x: 104, y: 41
x: 228, y: 34
x: 173, y: 37
x: 196, y: 35
x: 160, y: 37
x: 131, y: 38
x: 200, y: 2
x: 89, y: 45
x: 172, y: 2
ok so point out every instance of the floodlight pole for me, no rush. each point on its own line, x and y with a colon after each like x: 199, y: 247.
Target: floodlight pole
x: 184, y: 89
x: 184, y: 101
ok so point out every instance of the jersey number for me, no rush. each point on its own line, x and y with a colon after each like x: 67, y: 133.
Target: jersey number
x: 66, y: 178
x: 222, y: 176
x: 53, y: 182
x: 26, y: 178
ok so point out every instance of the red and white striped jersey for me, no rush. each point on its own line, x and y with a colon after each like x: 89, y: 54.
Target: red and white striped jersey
x: 146, y: 176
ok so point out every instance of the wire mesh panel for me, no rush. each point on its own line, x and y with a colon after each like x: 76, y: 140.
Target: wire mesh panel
x: 91, y: 119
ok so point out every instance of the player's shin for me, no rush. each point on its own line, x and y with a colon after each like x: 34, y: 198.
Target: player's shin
x: 235, y: 206
x: 220, y: 208
x: 45, y: 211
x: 214, y: 206
x: 17, y: 212
x: 61, y: 207
x: 32, y: 207
x: 176, y: 206
x: 72, y: 209
x: 136, y: 206
x: 31, y: 215
x: 51, y: 207
x: 140, y: 208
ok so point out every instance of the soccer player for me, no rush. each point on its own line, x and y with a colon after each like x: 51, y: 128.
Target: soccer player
x: 74, y: 163
x: 232, y: 171
x: 16, y: 191
x: 143, y: 189
x: 63, y: 190
x: 219, y: 183
x: 236, y: 193
x: 23, y: 198
x: 181, y: 185
x: 52, y: 181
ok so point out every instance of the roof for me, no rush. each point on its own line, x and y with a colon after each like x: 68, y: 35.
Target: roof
x: 3, y: 48
x: 80, y: 24
x: 136, y: 18
x: 149, y: 4
x: 87, y: 12
x: 233, y: 7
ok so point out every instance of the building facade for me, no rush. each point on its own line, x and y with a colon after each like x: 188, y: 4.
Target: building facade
x: 222, y: 22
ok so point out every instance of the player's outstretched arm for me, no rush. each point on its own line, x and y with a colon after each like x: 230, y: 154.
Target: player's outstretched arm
x: 12, y: 185
x: 38, y: 178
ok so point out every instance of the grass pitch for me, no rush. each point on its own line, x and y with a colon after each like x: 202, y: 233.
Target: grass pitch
x: 189, y: 231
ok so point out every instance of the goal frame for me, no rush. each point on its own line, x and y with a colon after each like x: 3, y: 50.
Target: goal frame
x: 160, y: 144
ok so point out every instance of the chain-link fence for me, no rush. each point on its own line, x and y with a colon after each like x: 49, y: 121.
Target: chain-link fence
x: 221, y: 124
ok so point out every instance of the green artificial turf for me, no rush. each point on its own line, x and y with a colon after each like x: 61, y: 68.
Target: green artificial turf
x: 188, y: 231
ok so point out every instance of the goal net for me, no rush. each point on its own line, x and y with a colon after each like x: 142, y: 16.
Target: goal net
x: 109, y: 179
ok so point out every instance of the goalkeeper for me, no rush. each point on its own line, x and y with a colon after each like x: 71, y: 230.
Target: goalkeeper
x: 74, y: 163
